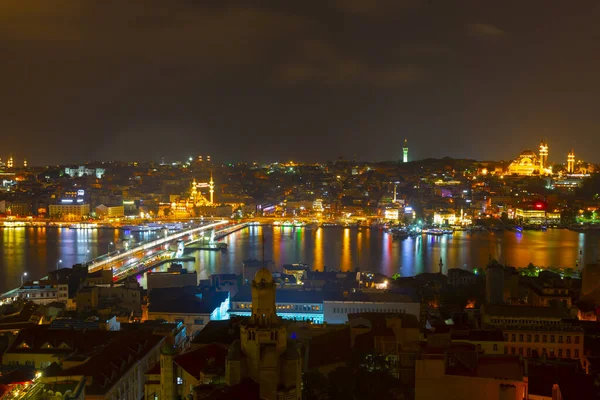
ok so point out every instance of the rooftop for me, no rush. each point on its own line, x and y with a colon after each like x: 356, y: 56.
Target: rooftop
x: 494, y: 310
x: 224, y: 332
x: 206, y: 359
x: 181, y: 301
x: 286, y: 296
x: 110, y: 360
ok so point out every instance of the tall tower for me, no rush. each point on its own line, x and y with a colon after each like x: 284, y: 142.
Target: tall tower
x: 167, y: 374
x: 571, y: 162
x: 10, y: 162
x: 211, y: 186
x: 270, y: 360
x: 194, y: 191
x: 405, y: 151
x: 543, y: 156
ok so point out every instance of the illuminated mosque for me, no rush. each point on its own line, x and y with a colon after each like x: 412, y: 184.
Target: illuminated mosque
x: 184, y: 207
x: 528, y: 163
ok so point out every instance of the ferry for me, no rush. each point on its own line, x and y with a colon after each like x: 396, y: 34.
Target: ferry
x: 434, y: 232
x: 290, y: 224
x: 135, y: 228
x: 519, y: 229
x: 177, y: 226
x: 400, y: 234
x: 83, y: 225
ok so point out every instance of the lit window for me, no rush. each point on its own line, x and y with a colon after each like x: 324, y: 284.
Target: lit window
x: 179, y: 380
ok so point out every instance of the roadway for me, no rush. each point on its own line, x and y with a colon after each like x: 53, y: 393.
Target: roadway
x: 120, y: 259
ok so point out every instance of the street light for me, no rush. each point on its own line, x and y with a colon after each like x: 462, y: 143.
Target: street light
x: 23, y: 276
x: 108, y: 247
x: 57, y: 263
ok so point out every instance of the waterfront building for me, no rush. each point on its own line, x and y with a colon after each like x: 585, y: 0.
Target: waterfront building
x: 536, y: 215
x: 391, y: 214
x: 536, y: 331
x: 264, y: 353
x: 447, y: 217
x: 110, y: 211
x: 69, y: 211
x: 16, y: 208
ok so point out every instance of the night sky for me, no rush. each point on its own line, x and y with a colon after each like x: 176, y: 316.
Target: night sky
x: 307, y: 80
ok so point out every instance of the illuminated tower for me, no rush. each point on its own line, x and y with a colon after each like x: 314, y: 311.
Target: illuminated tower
x: 10, y: 162
x: 543, y: 156
x: 211, y: 186
x: 194, y: 191
x: 571, y: 162
x: 405, y: 151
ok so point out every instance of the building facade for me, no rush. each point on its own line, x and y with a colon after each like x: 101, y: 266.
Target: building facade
x: 69, y: 211
x: 45, y: 291
x: 336, y: 311
x: 536, y: 331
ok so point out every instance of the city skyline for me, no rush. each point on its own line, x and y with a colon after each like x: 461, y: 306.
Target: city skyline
x: 406, y: 156
x: 311, y: 82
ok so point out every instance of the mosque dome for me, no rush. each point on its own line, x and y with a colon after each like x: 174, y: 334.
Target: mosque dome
x: 263, y: 275
x: 527, y: 153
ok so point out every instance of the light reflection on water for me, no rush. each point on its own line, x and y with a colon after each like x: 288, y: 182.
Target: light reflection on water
x: 37, y: 250
x: 375, y: 250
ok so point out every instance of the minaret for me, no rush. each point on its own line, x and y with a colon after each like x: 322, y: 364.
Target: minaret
x: 405, y: 151
x: 543, y: 156
x: 395, y: 193
x: 571, y: 162
x: 24, y: 163
x: 211, y: 186
x: 10, y: 162
x: 194, y: 191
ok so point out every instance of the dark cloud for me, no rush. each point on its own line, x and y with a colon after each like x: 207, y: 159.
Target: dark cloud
x: 89, y: 79
x: 486, y: 30
x: 376, y: 8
